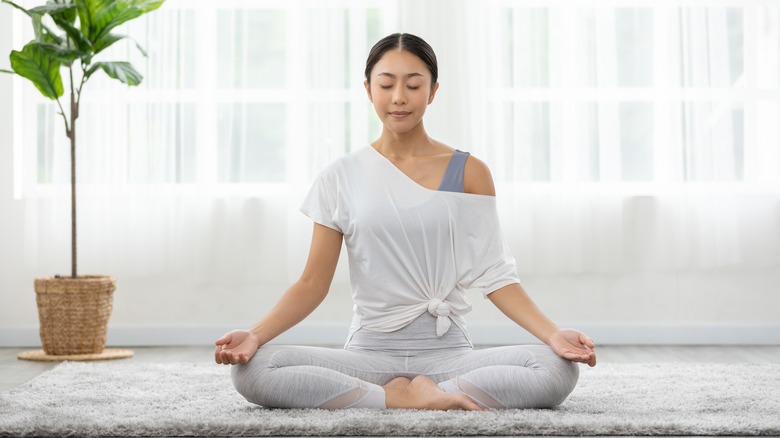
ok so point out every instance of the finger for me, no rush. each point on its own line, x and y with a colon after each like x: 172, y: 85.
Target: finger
x: 579, y: 350
x: 224, y: 340
x: 591, y: 360
x: 587, y: 341
x: 217, y: 356
x: 225, y: 357
x: 574, y: 357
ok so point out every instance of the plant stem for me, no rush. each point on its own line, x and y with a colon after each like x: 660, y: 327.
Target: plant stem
x: 72, y: 135
x: 64, y: 117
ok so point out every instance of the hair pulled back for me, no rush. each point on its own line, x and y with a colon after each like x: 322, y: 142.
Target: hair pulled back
x: 407, y: 42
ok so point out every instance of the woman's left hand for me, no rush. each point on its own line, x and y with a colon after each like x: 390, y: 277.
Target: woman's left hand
x: 574, y: 346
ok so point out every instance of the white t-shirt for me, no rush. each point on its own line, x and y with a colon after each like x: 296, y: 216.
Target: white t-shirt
x: 411, y: 249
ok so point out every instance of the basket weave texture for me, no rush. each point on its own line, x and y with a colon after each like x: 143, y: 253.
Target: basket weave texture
x: 74, y: 313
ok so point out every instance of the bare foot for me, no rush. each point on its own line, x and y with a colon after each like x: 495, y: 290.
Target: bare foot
x: 397, y: 384
x: 423, y: 393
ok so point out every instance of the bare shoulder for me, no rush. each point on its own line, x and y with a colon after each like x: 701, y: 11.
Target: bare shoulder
x: 442, y: 148
x: 477, y: 178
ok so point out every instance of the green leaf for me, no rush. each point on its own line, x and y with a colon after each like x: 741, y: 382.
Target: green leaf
x: 99, y: 17
x: 37, y: 24
x: 82, y: 43
x: 146, y: 5
x: 52, y: 9
x: 122, y: 71
x: 42, y: 33
x: 85, y: 17
x: 88, y: 11
x: 17, y: 7
x: 141, y: 49
x: 68, y: 14
x: 105, y: 41
x: 41, y: 69
x: 62, y: 54
x: 113, y: 16
x: 110, y: 14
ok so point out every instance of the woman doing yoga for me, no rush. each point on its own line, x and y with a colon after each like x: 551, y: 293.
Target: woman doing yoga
x: 420, y: 224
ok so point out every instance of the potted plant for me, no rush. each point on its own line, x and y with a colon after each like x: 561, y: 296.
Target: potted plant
x: 69, y: 34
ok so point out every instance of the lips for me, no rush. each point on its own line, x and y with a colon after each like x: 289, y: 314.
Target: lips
x: 399, y: 114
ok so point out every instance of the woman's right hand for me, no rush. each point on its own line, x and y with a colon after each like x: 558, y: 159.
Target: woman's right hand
x: 236, y: 347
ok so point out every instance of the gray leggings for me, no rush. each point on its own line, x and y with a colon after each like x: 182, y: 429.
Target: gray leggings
x: 529, y: 376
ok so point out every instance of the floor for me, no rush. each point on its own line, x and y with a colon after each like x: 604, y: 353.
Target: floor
x: 14, y: 372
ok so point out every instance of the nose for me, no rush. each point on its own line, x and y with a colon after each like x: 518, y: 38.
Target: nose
x: 399, y: 97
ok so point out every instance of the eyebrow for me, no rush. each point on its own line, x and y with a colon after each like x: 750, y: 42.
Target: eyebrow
x: 394, y: 76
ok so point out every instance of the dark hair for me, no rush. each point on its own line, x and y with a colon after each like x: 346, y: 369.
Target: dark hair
x: 408, y: 42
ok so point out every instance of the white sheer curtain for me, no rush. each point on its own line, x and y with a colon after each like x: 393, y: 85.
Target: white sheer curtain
x: 622, y: 139
x: 197, y: 173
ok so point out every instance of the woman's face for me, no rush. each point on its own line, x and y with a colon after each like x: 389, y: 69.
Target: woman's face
x: 400, y: 90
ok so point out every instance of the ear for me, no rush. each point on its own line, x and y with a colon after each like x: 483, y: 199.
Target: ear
x: 368, y: 91
x: 433, y: 93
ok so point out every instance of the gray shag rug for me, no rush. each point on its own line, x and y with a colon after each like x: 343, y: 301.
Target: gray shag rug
x: 188, y: 399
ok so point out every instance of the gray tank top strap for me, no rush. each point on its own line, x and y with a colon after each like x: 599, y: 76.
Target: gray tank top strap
x: 453, y: 176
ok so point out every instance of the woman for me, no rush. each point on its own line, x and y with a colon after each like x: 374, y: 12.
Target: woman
x: 420, y: 224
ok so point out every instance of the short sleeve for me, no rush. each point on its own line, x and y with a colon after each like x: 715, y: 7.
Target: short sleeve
x: 321, y: 204
x: 483, y: 258
x: 488, y: 274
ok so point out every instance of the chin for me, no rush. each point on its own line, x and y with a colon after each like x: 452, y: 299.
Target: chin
x: 401, y: 129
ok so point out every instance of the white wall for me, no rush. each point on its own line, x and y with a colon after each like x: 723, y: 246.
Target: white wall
x: 16, y: 305
x: 192, y: 303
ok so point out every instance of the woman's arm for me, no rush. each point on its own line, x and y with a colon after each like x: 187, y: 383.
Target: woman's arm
x: 515, y: 303
x: 296, y: 304
x: 308, y: 292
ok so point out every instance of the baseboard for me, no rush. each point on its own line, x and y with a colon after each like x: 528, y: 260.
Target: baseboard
x: 487, y: 334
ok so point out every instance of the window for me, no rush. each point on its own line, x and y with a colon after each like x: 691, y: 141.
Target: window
x: 632, y: 93
x: 268, y: 92
x: 234, y: 92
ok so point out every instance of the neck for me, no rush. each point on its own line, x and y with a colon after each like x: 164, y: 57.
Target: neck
x: 404, y: 145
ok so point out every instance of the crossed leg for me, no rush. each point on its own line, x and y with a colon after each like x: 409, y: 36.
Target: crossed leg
x: 312, y: 377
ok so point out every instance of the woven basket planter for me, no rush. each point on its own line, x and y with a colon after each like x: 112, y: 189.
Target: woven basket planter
x: 74, y: 313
